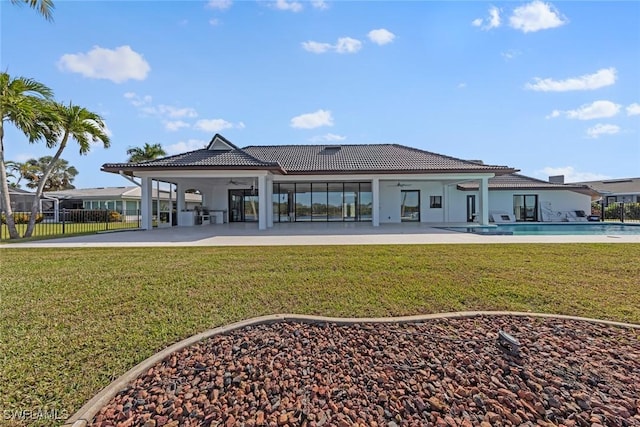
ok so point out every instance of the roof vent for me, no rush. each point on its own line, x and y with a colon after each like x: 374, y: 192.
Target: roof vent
x: 331, y: 149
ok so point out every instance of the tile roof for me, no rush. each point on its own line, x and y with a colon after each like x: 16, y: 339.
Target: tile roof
x: 313, y: 159
x: 298, y: 159
x: 615, y: 186
x: 199, y: 159
x: 516, y: 181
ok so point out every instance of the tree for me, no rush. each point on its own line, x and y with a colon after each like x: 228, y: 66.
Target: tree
x: 21, y: 170
x: 60, y: 178
x: 44, y: 7
x: 72, y: 122
x: 24, y: 103
x: 145, y: 153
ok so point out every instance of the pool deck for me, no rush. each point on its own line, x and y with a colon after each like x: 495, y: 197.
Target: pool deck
x: 304, y: 234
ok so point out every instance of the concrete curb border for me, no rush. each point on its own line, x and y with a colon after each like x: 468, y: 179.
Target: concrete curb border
x: 83, y: 416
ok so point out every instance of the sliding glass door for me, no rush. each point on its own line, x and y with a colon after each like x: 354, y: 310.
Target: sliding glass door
x: 525, y: 207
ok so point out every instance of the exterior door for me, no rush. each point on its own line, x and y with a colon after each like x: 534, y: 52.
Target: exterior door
x: 410, y: 205
x: 525, y: 207
x: 243, y: 206
x: 471, y: 208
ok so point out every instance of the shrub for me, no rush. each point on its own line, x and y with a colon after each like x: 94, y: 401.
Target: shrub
x: 22, y: 218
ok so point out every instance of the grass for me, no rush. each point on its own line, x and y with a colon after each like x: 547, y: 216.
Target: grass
x: 73, y: 320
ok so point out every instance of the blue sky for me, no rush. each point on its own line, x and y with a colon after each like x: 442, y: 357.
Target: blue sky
x: 545, y: 87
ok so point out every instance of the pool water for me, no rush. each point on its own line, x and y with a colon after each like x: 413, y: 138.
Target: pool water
x: 553, y: 229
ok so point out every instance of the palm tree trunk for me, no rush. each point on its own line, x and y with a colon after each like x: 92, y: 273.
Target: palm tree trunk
x: 41, y: 183
x: 11, y: 225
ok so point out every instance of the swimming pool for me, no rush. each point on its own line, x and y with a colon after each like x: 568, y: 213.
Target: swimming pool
x: 553, y: 229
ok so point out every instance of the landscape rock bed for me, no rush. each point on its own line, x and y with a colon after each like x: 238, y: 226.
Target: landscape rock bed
x: 445, y: 372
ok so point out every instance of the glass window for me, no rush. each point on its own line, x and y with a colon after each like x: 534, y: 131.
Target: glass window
x: 303, y: 202
x: 334, y: 201
x: 410, y: 205
x: 319, y: 201
x: 435, y: 202
x: 365, y: 202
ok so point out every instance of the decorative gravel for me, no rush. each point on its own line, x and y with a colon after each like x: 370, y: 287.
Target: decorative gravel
x: 446, y: 372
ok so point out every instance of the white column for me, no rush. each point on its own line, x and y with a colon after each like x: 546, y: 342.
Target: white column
x: 375, y: 208
x: 270, y: 202
x: 180, y: 200
x: 158, y: 202
x: 484, y: 201
x: 262, y: 202
x: 146, y: 204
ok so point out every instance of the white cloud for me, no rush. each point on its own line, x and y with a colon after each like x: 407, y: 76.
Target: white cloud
x: 348, y: 45
x: 536, y: 16
x: 219, y: 4
x: 216, y: 125
x: 595, y: 110
x: 510, y: 54
x: 602, y: 78
x: 493, y: 21
x: 184, y: 146
x: 462, y: 85
x: 173, y: 112
x: 329, y: 137
x: 214, y: 22
x: 316, y: 47
x: 138, y: 101
x: 343, y: 45
x: 175, y: 125
x: 602, y: 129
x: 290, y: 5
x: 570, y: 174
x: 381, y: 36
x: 319, y: 4
x: 633, y: 109
x: 118, y: 65
x: 312, y: 120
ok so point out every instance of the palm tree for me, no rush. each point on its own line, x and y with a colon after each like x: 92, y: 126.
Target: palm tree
x: 145, y: 153
x: 60, y: 178
x: 23, y: 102
x: 44, y: 7
x: 21, y: 170
x: 73, y: 122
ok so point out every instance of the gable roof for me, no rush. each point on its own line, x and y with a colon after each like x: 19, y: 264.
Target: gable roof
x: 312, y: 159
x: 516, y: 181
x: 615, y: 186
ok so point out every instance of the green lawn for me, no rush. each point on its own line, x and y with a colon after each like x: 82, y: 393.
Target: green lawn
x: 75, y: 319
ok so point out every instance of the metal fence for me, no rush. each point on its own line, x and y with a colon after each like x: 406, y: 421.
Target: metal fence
x: 72, y: 221
x: 619, y: 212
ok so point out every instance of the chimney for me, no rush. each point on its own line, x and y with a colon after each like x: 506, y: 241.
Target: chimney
x: 556, y: 179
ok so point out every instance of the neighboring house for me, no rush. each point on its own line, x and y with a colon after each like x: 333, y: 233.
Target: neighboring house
x: 622, y: 190
x: 21, y: 200
x: 378, y: 183
x: 125, y: 200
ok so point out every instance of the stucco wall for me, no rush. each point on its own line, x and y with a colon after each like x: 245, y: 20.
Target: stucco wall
x: 390, y: 200
x: 560, y: 200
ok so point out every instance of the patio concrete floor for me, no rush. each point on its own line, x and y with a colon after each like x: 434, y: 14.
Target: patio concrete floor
x: 247, y: 234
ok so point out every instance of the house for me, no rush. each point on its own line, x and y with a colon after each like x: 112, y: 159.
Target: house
x: 120, y: 199
x: 377, y: 183
x: 622, y: 190
x: 21, y: 200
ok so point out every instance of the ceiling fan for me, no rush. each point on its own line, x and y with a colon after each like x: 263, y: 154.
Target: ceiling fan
x: 401, y: 184
x: 233, y: 182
